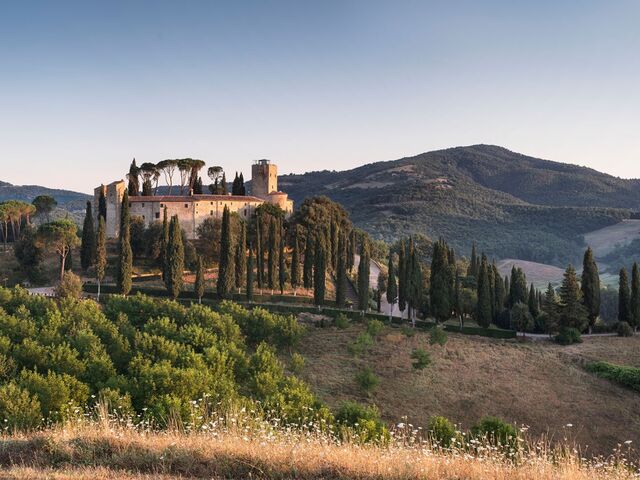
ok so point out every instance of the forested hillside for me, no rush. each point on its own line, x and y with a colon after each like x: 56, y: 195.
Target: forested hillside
x: 514, y: 205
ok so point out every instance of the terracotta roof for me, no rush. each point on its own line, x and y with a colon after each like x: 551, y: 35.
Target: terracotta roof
x: 195, y: 198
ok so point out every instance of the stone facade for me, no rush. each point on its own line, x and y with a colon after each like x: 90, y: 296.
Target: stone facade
x: 192, y: 210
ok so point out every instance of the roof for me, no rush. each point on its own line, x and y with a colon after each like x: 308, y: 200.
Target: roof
x: 195, y: 198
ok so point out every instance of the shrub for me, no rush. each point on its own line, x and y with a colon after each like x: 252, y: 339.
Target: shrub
x: 362, y: 343
x: 626, y: 376
x: 568, y: 336
x: 624, y: 329
x: 70, y: 286
x: 18, y: 409
x: 441, y: 431
x: 421, y: 358
x: 367, y: 380
x: 362, y: 421
x: 437, y: 335
x: 374, y: 328
x: 341, y: 321
x: 297, y: 363
x: 497, y: 432
x: 408, y: 331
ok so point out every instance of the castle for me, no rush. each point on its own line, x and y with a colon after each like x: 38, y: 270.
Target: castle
x: 192, y: 209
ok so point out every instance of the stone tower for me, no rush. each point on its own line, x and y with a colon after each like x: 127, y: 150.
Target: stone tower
x: 264, y: 179
x: 113, y: 194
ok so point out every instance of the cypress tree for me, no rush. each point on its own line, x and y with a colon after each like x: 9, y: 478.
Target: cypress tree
x: 243, y: 190
x: 351, y: 250
x: 272, y: 255
x: 295, y: 264
x: 439, y: 285
x: 133, y: 188
x: 101, y: 252
x: 414, y: 272
x: 241, y: 259
x: 534, y: 308
x: 624, y: 298
x: 518, y: 291
x: 572, y: 312
x: 125, y: 255
x: 175, y: 259
x: 457, y: 306
x: 402, y: 277
x: 307, y: 274
x: 88, y: 246
x: 364, y: 271
x: 590, y: 287
x: 259, y: 252
x: 483, y: 309
x: 507, y: 292
x: 164, y: 244
x: 282, y: 265
x: 635, y: 296
x: 392, y: 287
x: 474, y: 265
x: 223, y: 184
x: 225, y: 269
x: 341, y: 273
x: 102, y: 205
x: 250, y: 275
x: 198, y: 286
x: 319, y: 272
x: 498, y: 306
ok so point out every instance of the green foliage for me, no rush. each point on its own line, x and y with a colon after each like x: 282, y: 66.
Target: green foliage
x: 88, y: 246
x: 19, y: 410
x: 367, y: 380
x: 624, y: 329
x: 364, y: 268
x: 624, y: 298
x: 341, y: 321
x: 440, y: 283
x: 496, y: 431
x: 374, y: 328
x: 59, y: 236
x: 296, y: 363
x: 421, y: 358
x: 101, y: 250
x: 625, y: 376
x: 319, y: 271
x: 199, y: 283
x: 225, y: 269
x: 362, y: 343
x: 175, y: 259
x: 438, y: 336
x: 568, y: 336
x: 590, y: 286
x: 441, y: 431
x: 408, y: 331
x: 70, y: 286
x: 484, y: 310
x: 572, y: 314
x: 125, y: 255
x: 28, y: 253
x: 521, y: 317
x: 361, y: 421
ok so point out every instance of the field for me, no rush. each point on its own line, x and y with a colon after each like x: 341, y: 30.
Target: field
x: 539, y: 274
x: 605, y: 240
x: 541, y: 386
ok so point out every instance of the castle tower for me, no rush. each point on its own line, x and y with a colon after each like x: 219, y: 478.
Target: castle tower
x: 264, y: 179
x: 113, y: 194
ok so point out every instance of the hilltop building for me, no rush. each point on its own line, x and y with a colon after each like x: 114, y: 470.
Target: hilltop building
x: 192, y: 209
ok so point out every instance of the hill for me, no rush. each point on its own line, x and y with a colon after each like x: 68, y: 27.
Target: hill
x: 513, y: 205
x: 541, y: 385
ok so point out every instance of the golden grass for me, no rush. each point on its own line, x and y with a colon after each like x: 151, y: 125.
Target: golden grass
x: 98, y: 452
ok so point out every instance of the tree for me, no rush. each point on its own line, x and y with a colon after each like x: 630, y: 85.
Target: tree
x: 307, y: 274
x: 225, y: 269
x: 28, y: 253
x: 101, y: 252
x: 102, y: 205
x: 175, y: 259
x: 168, y: 168
x: 392, y: 287
x: 164, y: 244
x: 518, y: 287
x: 590, y: 287
x: 319, y: 272
x: 241, y: 259
x: 282, y: 265
x: 59, y: 236
x: 483, y: 309
x: 635, y: 297
x: 550, y: 308
x: 295, y: 265
x: 521, y: 318
x: 88, y: 247
x: 380, y: 287
x: 572, y: 313
x: 439, y: 284
x: 44, y: 206
x: 364, y: 271
x: 402, y: 278
x: 70, y: 286
x: 199, y: 284
x: 534, y: 308
x: 624, y: 298
x: 125, y: 255
x: 134, y: 182
x: 341, y: 273
x: 474, y: 264
x: 250, y: 275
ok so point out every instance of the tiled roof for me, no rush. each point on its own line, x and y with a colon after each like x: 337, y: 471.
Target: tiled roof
x: 196, y: 198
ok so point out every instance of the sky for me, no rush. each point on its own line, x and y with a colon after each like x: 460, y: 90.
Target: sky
x: 87, y: 86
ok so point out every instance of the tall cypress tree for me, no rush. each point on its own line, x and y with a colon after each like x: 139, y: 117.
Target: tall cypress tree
x: 125, y: 255
x: 364, y: 271
x: 518, y: 287
x: 88, y: 246
x: 402, y: 277
x: 392, y: 287
x: 351, y: 250
x: 307, y: 274
x: 241, y: 259
x: 341, y: 273
x: 243, y: 190
x: 198, y: 286
x: 624, y: 298
x: 483, y: 309
x: 295, y: 264
x: 259, y: 252
x: 164, y: 245
x: 474, y: 265
x: 250, y: 275
x: 225, y: 269
x: 572, y: 312
x: 534, y: 308
x: 414, y: 273
x: 319, y: 271
x: 590, y: 287
x: 282, y: 265
x: 439, y: 284
x: 133, y: 188
x: 175, y: 259
x: 102, y: 205
x: 101, y: 252
x: 500, y: 293
x: 635, y: 296
x: 272, y: 255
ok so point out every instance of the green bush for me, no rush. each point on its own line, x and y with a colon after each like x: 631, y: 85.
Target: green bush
x: 367, y: 380
x: 362, y: 343
x: 437, y: 335
x: 297, y: 363
x: 361, y: 422
x: 18, y: 409
x: 341, y: 321
x: 568, y: 336
x: 421, y: 358
x: 441, y: 431
x: 497, y: 432
x: 408, y: 331
x: 626, y: 376
x: 70, y: 286
x: 374, y: 328
x: 623, y: 329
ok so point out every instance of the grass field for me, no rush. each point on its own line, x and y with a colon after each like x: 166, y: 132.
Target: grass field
x: 541, y: 386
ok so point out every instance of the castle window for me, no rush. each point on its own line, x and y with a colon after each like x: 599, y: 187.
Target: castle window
x: 129, y: 204
x: 245, y: 212
x: 161, y: 205
x: 142, y: 206
x: 157, y: 214
x: 211, y: 212
x: 143, y: 217
x: 186, y: 205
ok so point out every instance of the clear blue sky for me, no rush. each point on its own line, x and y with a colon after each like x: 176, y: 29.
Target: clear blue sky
x: 86, y: 86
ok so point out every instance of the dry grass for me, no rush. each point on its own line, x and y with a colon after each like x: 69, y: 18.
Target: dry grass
x: 542, y: 386
x: 95, y: 452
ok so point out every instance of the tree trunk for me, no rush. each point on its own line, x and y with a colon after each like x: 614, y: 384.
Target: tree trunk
x: 390, y: 312
x: 63, y: 258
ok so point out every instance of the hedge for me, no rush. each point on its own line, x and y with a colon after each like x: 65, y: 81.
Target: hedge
x: 625, y: 376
